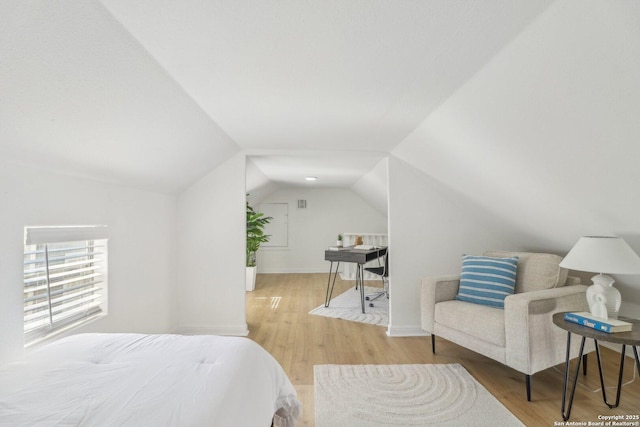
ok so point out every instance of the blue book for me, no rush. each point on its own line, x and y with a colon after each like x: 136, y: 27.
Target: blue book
x: 587, y: 319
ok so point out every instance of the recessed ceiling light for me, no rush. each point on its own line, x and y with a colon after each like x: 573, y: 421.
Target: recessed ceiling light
x: 311, y: 178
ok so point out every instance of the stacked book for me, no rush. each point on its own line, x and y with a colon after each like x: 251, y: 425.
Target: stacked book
x: 604, y: 325
x: 340, y: 248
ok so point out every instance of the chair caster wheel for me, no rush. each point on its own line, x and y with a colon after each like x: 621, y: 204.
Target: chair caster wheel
x: 370, y: 304
x: 367, y: 298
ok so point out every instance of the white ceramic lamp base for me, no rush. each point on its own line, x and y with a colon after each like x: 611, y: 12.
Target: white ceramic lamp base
x: 604, y: 300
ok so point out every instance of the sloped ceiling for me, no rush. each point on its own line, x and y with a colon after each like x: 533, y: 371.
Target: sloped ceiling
x: 79, y: 95
x: 357, y: 74
x: 547, y: 134
x: 331, y: 168
x: 528, y: 108
x: 155, y: 93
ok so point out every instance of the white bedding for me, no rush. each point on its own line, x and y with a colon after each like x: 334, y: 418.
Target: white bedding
x: 147, y: 380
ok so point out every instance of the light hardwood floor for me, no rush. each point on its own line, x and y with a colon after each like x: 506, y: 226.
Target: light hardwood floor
x: 277, y: 314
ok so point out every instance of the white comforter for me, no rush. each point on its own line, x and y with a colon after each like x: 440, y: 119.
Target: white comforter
x: 147, y: 380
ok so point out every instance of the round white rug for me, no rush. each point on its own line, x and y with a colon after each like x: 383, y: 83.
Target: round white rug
x: 404, y: 395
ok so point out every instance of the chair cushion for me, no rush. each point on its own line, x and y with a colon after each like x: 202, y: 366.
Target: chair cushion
x: 536, y: 271
x: 479, y: 321
x: 487, y: 280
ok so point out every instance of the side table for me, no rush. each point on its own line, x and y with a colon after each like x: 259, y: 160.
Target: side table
x: 631, y: 338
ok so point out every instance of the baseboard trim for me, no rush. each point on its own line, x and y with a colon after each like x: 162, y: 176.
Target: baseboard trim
x: 236, y: 331
x: 406, y: 331
x: 292, y: 271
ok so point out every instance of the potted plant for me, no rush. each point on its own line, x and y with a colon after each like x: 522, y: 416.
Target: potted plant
x: 255, y: 237
x: 339, y: 240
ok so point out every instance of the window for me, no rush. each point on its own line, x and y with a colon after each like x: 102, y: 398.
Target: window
x: 65, y: 277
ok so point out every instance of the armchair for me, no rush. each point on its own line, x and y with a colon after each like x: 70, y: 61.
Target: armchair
x: 522, y: 335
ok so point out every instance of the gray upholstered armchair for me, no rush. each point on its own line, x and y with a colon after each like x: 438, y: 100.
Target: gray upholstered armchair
x: 522, y: 335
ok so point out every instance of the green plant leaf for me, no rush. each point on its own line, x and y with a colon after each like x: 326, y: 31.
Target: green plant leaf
x: 255, y: 233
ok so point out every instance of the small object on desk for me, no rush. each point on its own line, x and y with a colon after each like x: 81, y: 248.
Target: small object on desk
x: 605, y: 325
x: 365, y: 247
x: 358, y: 240
x: 340, y: 248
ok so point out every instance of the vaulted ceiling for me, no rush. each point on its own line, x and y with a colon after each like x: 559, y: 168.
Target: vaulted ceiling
x: 547, y: 134
x: 156, y: 93
x: 528, y: 109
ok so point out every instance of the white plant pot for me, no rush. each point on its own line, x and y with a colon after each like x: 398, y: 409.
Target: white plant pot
x: 339, y: 243
x: 250, y: 281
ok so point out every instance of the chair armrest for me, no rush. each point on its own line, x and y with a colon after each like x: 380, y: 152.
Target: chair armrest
x: 522, y: 300
x: 572, y: 280
x: 533, y: 342
x: 434, y: 290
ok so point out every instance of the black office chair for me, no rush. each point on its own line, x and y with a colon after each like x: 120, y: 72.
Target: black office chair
x: 383, y: 272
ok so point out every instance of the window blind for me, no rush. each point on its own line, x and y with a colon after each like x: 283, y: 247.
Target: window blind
x: 64, y: 281
x: 64, y: 233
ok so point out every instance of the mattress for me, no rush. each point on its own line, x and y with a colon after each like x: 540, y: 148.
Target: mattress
x: 147, y: 380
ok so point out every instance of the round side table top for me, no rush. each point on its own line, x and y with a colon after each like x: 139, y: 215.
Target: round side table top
x: 628, y: 338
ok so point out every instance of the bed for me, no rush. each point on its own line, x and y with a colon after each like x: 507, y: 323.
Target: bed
x: 147, y: 380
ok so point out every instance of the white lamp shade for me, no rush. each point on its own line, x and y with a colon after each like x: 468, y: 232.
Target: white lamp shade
x: 602, y: 254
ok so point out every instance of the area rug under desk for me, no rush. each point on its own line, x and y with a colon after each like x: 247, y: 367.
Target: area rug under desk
x: 347, y: 306
x: 404, y: 395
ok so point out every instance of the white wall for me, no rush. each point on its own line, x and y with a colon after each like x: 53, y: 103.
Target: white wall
x: 329, y: 211
x: 257, y: 183
x: 429, y: 230
x: 141, y: 247
x: 211, y: 252
x: 373, y: 187
x: 546, y: 136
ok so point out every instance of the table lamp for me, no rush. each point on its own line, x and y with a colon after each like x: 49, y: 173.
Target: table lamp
x: 603, y: 254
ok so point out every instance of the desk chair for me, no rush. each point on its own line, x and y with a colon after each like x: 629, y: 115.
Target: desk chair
x: 383, y: 272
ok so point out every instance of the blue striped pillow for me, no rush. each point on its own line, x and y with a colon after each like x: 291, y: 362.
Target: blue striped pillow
x: 487, y: 280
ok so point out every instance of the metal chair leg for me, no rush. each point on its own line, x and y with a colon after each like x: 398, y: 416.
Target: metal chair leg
x: 376, y: 295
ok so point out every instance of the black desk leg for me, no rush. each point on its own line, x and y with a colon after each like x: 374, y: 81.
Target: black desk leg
x: 330, y: 285
x: 566, y: 411
x: 604, y: 392
x: 360, y: 280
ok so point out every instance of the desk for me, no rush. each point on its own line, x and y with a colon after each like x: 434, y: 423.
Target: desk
x: 357, y: 256
x: 631, y: 338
